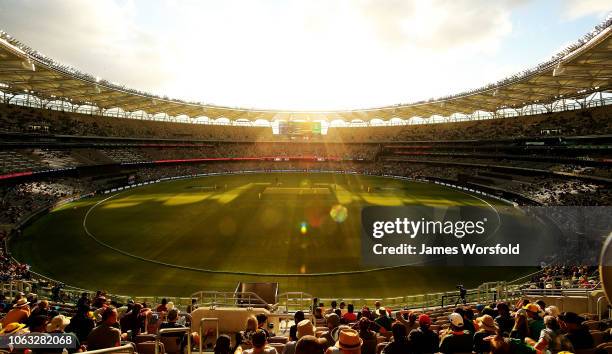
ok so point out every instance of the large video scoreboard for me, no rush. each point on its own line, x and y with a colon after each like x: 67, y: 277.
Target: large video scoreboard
x: 299, y: 128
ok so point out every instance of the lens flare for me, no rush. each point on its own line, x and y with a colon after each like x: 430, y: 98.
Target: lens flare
x: 303, y: 228
x: 338, y: 213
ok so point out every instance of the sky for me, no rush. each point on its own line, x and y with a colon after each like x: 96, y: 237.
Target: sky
x: 301, y: 55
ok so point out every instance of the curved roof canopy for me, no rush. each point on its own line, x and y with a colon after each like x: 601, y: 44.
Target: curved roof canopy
x: 578, y: 71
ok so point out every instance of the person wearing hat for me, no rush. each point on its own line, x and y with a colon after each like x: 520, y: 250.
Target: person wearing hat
x: 13, y: 328
x: 58, y: 325
x: 348, y: 342
x: 303, y: 328
x: 331, y: 336
x: 19, y: 313
x: 457, y: 340
x: 534, y: 321
x: 400, y: 343
x: 577, y: 333
x: 423, y: 339
x: 520, y: 330
x: 487, y: 327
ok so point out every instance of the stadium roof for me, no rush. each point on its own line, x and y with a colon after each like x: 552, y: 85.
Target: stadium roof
x: 580, y: 70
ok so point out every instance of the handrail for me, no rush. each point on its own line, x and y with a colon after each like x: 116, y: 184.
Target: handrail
x: 229, y: 298
x: 216, y: 321
x: 599, y: 312
x: 122, y: 349
x: 185, y: 330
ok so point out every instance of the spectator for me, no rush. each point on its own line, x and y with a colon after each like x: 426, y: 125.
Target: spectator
x: 467, y: 316
x: 223, y: 345
x: 365, y: 312
x: 42, y: 309
x: 58, y: 325
x: 368, y: 336
x: 423, y: 339
x: 304, y: 328
x: 310, y: 345
x: 81, y: 323
x: 504, y: 320
x: 501, y: 345
x: 19, y: 313
x: 262, y: 320
x: 552, y: 311
x: 332, y: 309
x: 192, y: 306
x: 297, y: 318
x: 383, y: 321
x: 412, y: 320
x: 13, y: 328
x: 172, y: 323
x: 350, y: 316
x: 577, y: 333
x: 534, y: 321
x: 247, y: 335
x: 520, y: 330
x: 551, y: 338
x: 84, y: 300
x: 348, y: 342
x: 377, y: 307
x: 487, y: 327
x: 400, y: 343
x: 260, y: 344
x: 163, y: 307
x: 133, y: 320
x: 331, y: 336
x: 106, y: 334
x: 38, y: 324
x: 457, y: 340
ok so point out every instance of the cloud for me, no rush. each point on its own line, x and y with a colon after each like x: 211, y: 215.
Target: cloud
x: 290, y: 54
x: 440, y: 25
x: 100, y: 37
x: 575, y: 9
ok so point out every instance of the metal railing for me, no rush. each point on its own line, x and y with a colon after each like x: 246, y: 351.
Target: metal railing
x: 127, y: 348
x: 201, y: 328
x: 293, y: 301
x: 186, y: 331
x: 228, y: 298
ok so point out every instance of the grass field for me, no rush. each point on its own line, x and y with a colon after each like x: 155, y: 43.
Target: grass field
x: 256, y: 223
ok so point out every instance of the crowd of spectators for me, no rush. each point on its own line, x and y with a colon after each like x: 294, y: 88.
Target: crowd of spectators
x: 9, y: 269
x: 566, y: 276
x: 592, y: 121
x: 18, y: 201
x: 499, y: 327
x: 94, y: 322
